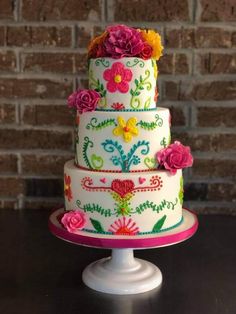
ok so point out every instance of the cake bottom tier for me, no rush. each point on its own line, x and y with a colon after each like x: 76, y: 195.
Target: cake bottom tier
x: 124, y: 203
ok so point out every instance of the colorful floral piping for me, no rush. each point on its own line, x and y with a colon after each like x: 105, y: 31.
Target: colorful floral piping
x: 139, y: 233
x: 127, y: 110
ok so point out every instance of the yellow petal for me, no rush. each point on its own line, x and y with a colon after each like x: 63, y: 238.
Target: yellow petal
x: 121, y: 122
x: 131, y: 122
x: 127, y: 136
x: 134, y: 131
x: 118, y: 131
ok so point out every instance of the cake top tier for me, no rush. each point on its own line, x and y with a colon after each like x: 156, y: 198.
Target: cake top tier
x: 119, y: 41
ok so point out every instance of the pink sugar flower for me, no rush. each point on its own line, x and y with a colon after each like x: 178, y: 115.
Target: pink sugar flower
x: 73, y: 220
x: 118, y: 77
x: 175, y: 156
x: 84, y: 100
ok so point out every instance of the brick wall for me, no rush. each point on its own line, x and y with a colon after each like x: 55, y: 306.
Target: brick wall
x: 43, y: 59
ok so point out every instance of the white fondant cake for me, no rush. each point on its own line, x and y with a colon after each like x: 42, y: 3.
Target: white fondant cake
x: 127, y: 177
x: 136, y: 78
x: 144, y: 202
x: 100, y: 145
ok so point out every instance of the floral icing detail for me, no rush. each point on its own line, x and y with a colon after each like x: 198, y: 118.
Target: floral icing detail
x: 126, y: 129
x: 122, y: 41
x: 118, y: 106
x: 95, y: 125
x: 150, y: 162
x: 124, y: 226
x: 118, y: 77
x: 123, y: 160
x: 94, y: 162
x: 84, y: 100
x: 159, y: 224
x: 95, y: 84
x: 74, y: 220
x: 181, y: 190
x: 67, y: 187
x: 175, y: 156
x: 134, y: 62
x: 154, y: 40
x: 151, y: 125
x: 156, y: 207
x: 140, y: 84
x: 155, y: 68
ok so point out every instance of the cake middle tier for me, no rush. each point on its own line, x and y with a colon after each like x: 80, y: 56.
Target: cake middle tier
x: 121, y: 141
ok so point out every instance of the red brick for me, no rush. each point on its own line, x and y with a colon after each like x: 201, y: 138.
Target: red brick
x: 40, y: 10
x: 207, y: 142
x: 177, y: 115
x: 47, y: 115
x: 11, y: 187
x: 7, y: 61
x: 202, y: 37
x: 216, y: 116
x: 2, y: 35
x: 7, y: 114
x: 40, y: 88
x: 8, y: 163
x: 218, y: 10
x: 6, y: 9
x: 222, y: 192
x: 28, y: 36
x: 80, y: 62
x: 214, y: 168
x: 194, y: 90
x: 44, y: 164
x: 35, y: 139
x: 84, y: 37
x: 48, y: 62
x: 151, y: 11
x: 217, y: 63
x: 43, y: 204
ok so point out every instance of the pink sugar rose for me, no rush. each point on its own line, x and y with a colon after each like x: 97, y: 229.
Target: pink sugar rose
x: 175, y: 156
x: 84, y: 100
x: 146, y: 53
x: 118, y: 77
x: 122, y: 41
x: 74, y: 220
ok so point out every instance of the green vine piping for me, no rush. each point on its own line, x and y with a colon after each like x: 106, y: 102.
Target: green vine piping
x: 164, y: 204
x: 151, y: 125
x: 139, y: 86
x: 96, y: 161
x: 181, y: 190
x: 94, y: 125
x: 99, y: 87
x: 122, y: 203
x: 95, y: 208
x: 135, y: 62
x: 165, y: 141
x: 102, y: 61
x: 122, y: 160
x: 150, y: 162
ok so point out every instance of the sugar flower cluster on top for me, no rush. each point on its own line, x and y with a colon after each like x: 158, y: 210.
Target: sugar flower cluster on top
x: 121, y: 41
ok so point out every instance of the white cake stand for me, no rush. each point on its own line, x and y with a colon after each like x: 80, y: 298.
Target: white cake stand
x: 122, y: 273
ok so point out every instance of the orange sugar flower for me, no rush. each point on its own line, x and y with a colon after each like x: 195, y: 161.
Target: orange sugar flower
x: 96, y: 44
x: 154, y: 40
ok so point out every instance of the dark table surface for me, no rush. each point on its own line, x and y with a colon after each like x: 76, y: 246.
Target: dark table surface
x: 40, y: 274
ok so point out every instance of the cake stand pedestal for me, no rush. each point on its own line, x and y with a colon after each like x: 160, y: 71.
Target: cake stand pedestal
x: 122, y: 273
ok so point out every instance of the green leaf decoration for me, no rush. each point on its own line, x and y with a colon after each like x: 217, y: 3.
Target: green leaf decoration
x: 149, y: 126
x: 94, y: 125
x: 97, y: 225
x: 87, y: 143
x: 140, y: 85
x: 158, y: 225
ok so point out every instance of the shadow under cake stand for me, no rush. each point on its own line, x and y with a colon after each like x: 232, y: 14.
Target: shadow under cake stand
x: 122, y: 273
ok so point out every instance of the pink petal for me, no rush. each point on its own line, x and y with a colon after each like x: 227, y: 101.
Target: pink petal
x: 123, y: 87
x: 112, y: 86
x: 127, y: 75
x: 118, y: 68
x: 107, y: 74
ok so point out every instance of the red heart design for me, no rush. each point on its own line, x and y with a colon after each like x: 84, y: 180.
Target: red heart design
x: 122, y: 187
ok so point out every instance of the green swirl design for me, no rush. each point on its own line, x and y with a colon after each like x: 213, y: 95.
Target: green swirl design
x: 140, y: 85
x: 135, y: 62
x: 94, y: 125
x: 149, y: 126
x: 102, y: 61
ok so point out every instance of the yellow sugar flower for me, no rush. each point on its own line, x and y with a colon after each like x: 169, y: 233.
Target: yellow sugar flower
x: 154, y: 40
x: 126, y: 129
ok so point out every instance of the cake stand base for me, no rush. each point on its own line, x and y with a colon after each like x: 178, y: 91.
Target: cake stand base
x: 122, y: 274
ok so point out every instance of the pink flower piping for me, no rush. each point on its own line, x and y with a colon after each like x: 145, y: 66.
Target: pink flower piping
x: 74, y: 220
x: 117, y: 78
x: 175, y: 156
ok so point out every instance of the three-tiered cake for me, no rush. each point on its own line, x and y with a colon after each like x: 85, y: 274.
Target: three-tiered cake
x: 126, y: 178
